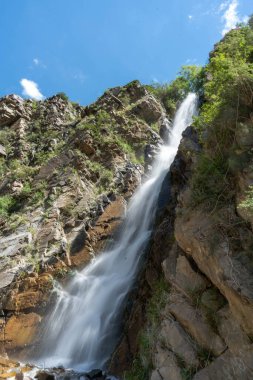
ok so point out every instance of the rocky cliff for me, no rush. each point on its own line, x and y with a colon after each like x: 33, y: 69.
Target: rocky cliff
x: 67, y: 173
x: 196, y: 292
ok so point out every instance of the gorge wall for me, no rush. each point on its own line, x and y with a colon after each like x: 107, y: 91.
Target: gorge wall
x: 67, y: 173
x: 195, y: 295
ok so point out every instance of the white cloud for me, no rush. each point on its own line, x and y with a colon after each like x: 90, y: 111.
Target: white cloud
x: 36, y: 61
x: 30, y: 89
x: 190, y: 17
x: 230, y: 16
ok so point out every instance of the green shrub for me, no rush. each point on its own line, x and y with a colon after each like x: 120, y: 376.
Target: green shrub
x: 138, y: 372
x: 6, y: 203
x: 190, y: 78
x: 63, y: 96
x: 228, y: 89
x: 211, y: 183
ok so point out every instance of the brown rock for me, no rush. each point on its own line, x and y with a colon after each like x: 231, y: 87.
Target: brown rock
x: 31, y: 294
x: 105, y: 225
x: 175, y: 338
x: 22, y: 330
x: 8, y: 375
x: 166, y: 365
x: 86, y: 148
x: 193, y: 321
x: 184, y: 278
x: 231, y: 332
x: 5, y: 362
x: 194, y: 232
x: 148, y: 109
x: 2, y: 327
x: 229, y: 367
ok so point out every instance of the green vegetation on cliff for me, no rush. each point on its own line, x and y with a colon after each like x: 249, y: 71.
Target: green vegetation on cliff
x: 189, y: 79
x: 228, y: 96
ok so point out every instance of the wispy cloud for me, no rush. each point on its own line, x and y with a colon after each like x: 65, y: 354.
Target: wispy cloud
x: 191, y: 61
x: 79, y: 76
x: 230, y: 16
x: 223, y: 6
x: 31, y: 89
x: 39, y: 63
x: 190, y: 17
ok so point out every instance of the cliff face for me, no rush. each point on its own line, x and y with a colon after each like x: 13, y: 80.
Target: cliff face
x: 66, y: 174
x: 195, y: 294
x: 198, y: 316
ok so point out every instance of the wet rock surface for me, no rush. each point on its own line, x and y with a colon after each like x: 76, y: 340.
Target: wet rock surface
x: 13, y: 370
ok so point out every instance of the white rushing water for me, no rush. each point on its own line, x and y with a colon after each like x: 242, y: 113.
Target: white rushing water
x: 83, y: 328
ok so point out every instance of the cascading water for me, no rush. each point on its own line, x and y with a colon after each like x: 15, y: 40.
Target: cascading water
x: 83, y: 328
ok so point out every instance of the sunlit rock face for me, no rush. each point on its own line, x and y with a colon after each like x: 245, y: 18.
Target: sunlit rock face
x: 67, y: 174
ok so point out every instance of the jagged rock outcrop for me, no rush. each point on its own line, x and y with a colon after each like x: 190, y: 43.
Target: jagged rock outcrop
x: 67, y: 173
x: 13, y: 107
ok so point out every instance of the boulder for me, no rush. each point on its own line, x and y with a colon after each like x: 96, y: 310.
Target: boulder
x: 173, y: 336
x: 166, y: 365
x: 194, y: 231
x: 231, y: 331
x: 229, y: 366
x: 148, y: 109
x: 195, y: 324
x: 12, y: 107
x: 183, y: 277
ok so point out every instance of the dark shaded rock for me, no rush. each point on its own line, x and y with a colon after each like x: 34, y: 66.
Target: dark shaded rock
x: 95, y: 374
x: 43, y: 375
x: 79, y: 242
x: 165, y: 129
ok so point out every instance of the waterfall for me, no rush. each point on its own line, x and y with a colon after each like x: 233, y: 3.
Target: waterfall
x: 83, y: 328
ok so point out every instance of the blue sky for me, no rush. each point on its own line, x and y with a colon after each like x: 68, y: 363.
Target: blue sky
x: 83, y: 47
